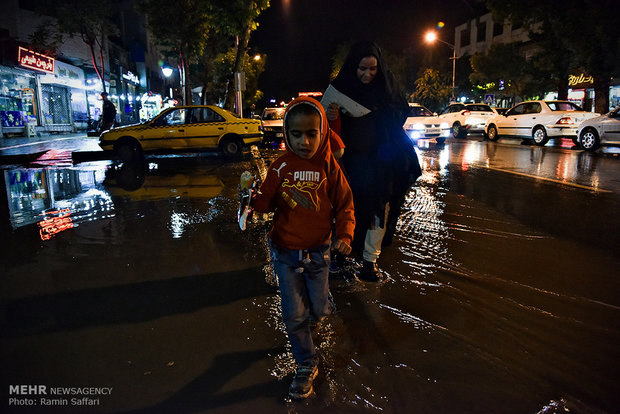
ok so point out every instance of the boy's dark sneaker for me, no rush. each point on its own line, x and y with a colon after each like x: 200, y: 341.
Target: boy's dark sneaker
x: 370, y: 272
x: 301, y: 387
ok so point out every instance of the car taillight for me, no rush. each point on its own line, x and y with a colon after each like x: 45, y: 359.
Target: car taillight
x: 565, y: 120
x: 465, y: 113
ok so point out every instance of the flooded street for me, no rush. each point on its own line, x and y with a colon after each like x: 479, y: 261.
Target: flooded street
x: 501, y: 292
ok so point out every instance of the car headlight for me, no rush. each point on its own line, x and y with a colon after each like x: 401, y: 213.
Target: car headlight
x: 445, y: 125
x: 418, y: 127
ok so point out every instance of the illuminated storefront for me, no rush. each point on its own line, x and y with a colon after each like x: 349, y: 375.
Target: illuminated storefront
x: 17, y: 99
x: 63, y: 99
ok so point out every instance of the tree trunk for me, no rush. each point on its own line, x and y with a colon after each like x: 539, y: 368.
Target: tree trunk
x: 563, y: 88
x: 601, y: 94
x: 242, y: 46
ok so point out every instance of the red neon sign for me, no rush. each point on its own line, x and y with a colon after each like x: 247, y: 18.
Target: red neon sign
x: 33, y: 60
x: 54, y: 225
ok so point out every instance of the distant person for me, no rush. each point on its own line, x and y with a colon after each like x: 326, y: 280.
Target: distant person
x: 307, y: 189
x: 109, y: 113
x: 380, y: 162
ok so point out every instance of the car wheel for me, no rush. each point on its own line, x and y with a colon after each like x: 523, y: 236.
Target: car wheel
x: 128, y: 150
x: 231, y: 147
x: 540, y: 136
x: 492, y: 133
x: 457, y: 130
x: 589, y: 140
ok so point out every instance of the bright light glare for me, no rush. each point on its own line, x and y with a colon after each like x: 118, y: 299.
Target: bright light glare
x: 166, y: 71
x: 430, y: 37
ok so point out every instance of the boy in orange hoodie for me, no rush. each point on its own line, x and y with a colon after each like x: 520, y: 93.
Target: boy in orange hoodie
x: 307, y: 189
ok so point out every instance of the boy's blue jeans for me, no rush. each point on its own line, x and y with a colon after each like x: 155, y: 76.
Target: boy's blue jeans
x: 303, y: 276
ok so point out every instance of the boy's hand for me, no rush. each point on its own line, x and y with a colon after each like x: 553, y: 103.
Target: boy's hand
x: 333, y: 111
x: 342, y: 246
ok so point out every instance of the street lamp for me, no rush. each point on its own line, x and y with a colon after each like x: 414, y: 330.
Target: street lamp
x: 431, y: 37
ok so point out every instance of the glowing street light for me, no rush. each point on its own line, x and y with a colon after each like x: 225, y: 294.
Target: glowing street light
x: 431, y: 37
x: 167, y: 71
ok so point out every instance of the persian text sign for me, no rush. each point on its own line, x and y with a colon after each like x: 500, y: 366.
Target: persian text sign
x: 580, y: 80
x: 33, y: 60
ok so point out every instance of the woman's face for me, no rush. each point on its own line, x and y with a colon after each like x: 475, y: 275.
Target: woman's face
x: 367, y: 69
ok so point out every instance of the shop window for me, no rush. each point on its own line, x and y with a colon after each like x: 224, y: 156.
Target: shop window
x: 17, y: 103
x: 482, y: 32
x: 465, y: 37
x: 498, y: 29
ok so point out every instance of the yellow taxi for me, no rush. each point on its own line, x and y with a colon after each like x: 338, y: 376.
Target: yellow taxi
x: 184, y: 128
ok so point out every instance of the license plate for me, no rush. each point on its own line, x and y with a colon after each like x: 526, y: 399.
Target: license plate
x: 433, y: 130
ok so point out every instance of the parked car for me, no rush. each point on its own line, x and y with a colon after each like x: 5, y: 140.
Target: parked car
x: 182, y: 128
x: 539, y: 121
x: 465, y: 118
x: 602, y: 130
x: 273, y: 119
x: 421, y: 123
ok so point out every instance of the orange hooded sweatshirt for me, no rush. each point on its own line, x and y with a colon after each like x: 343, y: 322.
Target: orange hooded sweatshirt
x: 306, y: 194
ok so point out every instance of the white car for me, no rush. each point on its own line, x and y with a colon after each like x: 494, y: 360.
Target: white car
x: 602, y: 130
x: 539, y: 121
x: 272, y: 124
x: 465, y: 118
x: 421, y: 123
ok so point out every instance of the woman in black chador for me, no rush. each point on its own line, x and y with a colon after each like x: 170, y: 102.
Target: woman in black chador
x: 379, y: 161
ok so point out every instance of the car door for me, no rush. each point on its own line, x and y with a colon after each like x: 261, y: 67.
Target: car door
x: 610, y: 127
x: 205, y: 128
x: 166, y: 131
x: 507, y: 124
x: 529, y: 118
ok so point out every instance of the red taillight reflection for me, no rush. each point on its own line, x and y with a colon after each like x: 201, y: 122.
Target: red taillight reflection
x: 465, y: 113
x: 565, y: 120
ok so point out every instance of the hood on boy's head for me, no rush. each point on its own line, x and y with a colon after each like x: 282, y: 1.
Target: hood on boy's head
x: 306, y: 100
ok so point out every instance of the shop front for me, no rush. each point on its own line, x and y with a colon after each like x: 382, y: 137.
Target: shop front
x: 18, y: 107
x: 581, y: 90
x: 63, y: 99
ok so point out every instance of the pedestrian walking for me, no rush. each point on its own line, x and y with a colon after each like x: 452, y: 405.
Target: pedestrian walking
x: 307, y: 189
x: 380, y: 162
x: 108, y: 113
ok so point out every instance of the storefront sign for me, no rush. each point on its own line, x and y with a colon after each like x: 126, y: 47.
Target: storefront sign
x: 33, y: 60
x: 130, y: 77
x: 582, y: 80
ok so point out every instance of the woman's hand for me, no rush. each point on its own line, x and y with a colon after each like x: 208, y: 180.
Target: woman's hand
x: 342, y: 246
x: 333, y: 111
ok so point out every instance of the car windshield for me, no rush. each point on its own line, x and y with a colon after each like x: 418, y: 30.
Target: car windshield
x: 479, y: 108
x: 273, y: 114
x: 419, y: 111
x: 563, y: 106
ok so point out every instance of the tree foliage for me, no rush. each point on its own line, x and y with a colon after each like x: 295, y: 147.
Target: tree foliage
x: 181, y: 28
x: 238, y: 19
x: 503, y: 62
x: 89, y: 19
x: 432, y: 90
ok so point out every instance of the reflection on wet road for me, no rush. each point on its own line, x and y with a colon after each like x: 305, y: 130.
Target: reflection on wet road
x: 501, y: 292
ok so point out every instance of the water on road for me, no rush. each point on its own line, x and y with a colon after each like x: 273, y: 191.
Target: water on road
x: 497, y: 296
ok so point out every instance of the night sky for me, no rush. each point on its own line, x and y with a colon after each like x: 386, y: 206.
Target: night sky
x: 301, y: 36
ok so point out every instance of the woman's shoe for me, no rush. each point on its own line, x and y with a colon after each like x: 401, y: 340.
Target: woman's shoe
x: 370, y: 272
